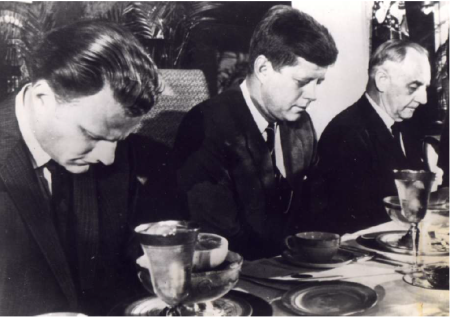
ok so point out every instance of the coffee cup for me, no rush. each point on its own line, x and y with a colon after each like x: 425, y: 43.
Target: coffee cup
x: 314, y: 246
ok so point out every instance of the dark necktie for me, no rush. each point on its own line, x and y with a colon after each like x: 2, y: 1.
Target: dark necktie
x: 61, y: 200
x: 270, y: 134
x: 396, y: 133
x: 284, y: 192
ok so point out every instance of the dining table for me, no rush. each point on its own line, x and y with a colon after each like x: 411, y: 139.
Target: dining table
x: 394, y: 296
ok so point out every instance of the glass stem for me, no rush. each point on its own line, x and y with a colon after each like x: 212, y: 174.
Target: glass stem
x: 415, y: 240
x: 174, y: 311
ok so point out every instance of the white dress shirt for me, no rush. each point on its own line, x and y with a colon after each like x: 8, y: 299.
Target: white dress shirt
x: 388, y: 121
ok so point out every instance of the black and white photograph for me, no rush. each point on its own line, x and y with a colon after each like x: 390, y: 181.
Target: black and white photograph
x: 224, y: 158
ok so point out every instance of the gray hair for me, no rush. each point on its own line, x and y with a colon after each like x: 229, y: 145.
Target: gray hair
x: 392, y: 50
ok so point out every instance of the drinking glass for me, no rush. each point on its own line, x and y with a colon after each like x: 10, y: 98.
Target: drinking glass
x: 169, y: 247
x: 414, y: 189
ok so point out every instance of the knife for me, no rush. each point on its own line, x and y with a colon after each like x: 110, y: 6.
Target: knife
x: 373, y: 255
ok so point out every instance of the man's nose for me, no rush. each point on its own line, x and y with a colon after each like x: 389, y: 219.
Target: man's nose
x: 104, y: 152
x: 309, y: 91
x: 421, y: 96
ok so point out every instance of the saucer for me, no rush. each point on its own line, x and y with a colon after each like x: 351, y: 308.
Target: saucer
x: 390, y: 241
x: 330, y: 298
x: 341, y: 258
x: 419, y: 280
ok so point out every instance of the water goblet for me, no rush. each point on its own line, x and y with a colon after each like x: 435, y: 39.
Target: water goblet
x: 169, y: 247
x: 414, y: 189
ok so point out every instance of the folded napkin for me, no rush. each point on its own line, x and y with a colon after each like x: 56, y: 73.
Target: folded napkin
x: 276, y: 267
x: 265, y: 268
x: 353, y: 270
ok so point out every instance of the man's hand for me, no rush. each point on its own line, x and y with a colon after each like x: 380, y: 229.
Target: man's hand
x: 438, y: 178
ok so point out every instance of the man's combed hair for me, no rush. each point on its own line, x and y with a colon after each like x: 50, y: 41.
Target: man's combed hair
x: 78, y: 60
x: 285, y: 33
x: 394, y: 51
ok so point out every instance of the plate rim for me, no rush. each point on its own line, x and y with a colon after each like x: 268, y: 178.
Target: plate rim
x: 287, y: 254
x: 248, y: 311
x: 285, y: 298
x: 405, y: 252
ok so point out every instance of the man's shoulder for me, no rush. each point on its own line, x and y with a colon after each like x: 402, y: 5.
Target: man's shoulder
x: 9, y: 128
x: 351, y: 117
x: 348, y: 123
x: 221, y: 111
x: 222, y: 103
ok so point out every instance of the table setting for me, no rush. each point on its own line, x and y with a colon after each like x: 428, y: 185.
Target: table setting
x: 396, y: 268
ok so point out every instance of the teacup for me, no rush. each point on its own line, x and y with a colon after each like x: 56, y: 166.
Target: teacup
x: 314, y: 246
x: 210, y: 251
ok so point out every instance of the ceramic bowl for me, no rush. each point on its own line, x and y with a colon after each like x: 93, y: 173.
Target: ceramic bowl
x: 314, y: 246
x: 208, y: 285
x: 210, y: 251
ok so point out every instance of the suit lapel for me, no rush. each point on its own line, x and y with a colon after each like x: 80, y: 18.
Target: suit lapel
x: 254, y: 141
x: 298, y: 142
x: 378, y: 130
x: 21, y: 183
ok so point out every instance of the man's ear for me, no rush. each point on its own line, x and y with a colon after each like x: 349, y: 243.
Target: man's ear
x: 262, y: 68
x: 382, y: 79
x: 42, y: 95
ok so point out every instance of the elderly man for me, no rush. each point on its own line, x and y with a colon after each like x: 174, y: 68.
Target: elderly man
x: 361, y: 146
x: 242, y: 155
x: 67, y: 181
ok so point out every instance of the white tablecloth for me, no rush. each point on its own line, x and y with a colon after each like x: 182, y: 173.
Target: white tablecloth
x: 395, y: 297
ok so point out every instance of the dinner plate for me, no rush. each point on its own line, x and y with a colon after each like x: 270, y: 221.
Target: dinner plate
x: 330, y: 299
x: 419, y: 280
x: 341, y: 258
x: 231, y: 304
x: 390, y: 241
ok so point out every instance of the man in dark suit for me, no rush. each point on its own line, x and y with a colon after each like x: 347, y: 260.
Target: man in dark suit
x: 65, y: 219
x: 242, y: 155
x: 361, y: 146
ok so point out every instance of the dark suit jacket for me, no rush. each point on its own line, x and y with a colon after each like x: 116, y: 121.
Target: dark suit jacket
x: 357, y: 156
x: 226, y: 174
x: 34, y: 271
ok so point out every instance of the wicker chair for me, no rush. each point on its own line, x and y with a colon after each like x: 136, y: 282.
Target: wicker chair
x: 183, y: 89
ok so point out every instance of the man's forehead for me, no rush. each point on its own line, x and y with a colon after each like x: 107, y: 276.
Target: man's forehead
x: 413, y: 67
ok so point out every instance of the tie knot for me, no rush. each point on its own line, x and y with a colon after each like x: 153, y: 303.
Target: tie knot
x: 55, y: 168
x: 396, y: 128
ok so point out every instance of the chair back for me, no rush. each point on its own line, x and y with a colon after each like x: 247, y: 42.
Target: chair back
x: 183, y: 89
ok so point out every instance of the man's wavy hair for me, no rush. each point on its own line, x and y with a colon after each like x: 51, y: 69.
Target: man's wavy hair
x: 78, y: 60
x: 394, y: 51
x: 285, y: 33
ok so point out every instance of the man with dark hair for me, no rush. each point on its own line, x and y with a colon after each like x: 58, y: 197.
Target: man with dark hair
x: 65, y: 219
x: 241, y: 156
x: 361, y: 146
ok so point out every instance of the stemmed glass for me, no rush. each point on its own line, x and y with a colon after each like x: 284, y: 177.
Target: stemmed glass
x: 169, y: 247
x: 414, y: 189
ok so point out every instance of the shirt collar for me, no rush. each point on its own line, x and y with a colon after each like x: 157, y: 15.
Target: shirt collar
x: 261, y: 122
x: 388, y: 121
x: 38, y: 156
